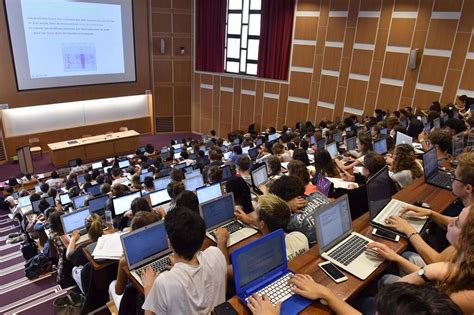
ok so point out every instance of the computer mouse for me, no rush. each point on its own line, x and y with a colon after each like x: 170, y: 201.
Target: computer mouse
x: 422, y: 204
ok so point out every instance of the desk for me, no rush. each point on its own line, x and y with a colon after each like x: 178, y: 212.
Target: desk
x: 94, y: 148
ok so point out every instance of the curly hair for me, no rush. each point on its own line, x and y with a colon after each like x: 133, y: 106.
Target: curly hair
x: 406, y: 160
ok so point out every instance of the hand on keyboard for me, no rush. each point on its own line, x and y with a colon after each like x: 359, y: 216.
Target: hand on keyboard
x: 148, y: 277
x: 379, y: 250
x: 399, y: 224
x: 222, y: 235
x: 261, y: 305
x: 414, y: 211
x: 305, y: 286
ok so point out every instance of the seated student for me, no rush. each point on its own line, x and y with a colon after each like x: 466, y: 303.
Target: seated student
x: 174, y: 189
x: 214, y: 174
x: 117, y: 176
x: 364, y: 145
x: 135, y: 184
x: 279, y: 151
x: 236, y: 153
x: 176, y: 175
x: 54, y: 180
x: 79, y: 168
x: 298, y: 169
x: 44, y: 188
x: 148, y: 186
x: 265, y: 152
x: 189, y: 200
x: 138, y: 204
x: 88, y: 179
x: 274, y: 168
x: 185, y: 158
x: 149, y: 150
x: 197, y: 281
x: 215, y: 158
x: 324, y: 164
x: 243, y: 169
x: 241, y: 191
x: 441, y: 140
x: 74, y: 252
x: 404, y: 166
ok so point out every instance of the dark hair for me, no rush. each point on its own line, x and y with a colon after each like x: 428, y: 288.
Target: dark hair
x: 184, y: 154
x: 374, y: 162
x: 324, y: 164
x: 298, y: 169
x: 442, y: 139
x: 241, y: 191
x: 214, y: 174
x: 174, y: 189
x: 186, y: 231
x: 148, y: 182
x: 116, y: 172
x: 237, y: 149
x: 243, y: 163
x: 43, y: 205
x: 189, y: 200
x: 457, y: 125
x: 408, y: 299
x: 140, y: 204
x: 301, y: 155
x: 44, y: 188
x: 415, y: 128
x: 274, y: 164
x: 12, y: 181
x: 214, y: 155
x: 149, y: 148
x: 304, y: 144
x: 55, y: 222
x: 287, y: 187
x: 143, y: 218
x: 177, y: 175
x: 54, y: 175
x: 365, y: 141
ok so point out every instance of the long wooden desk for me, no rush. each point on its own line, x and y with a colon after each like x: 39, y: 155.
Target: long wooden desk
x: 94, y: 148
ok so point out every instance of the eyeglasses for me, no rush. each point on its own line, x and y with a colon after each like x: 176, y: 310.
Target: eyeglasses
x: 453, y: 178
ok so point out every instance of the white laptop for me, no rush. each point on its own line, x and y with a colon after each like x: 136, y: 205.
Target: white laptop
x: 210, y: 192
x: 339, y: 244
x: 159, y: 197
x: 220, y: 213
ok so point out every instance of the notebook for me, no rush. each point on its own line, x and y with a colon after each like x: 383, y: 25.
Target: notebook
x: 210, y: 192
x: 433, y: 175
x: 122, y: 204
x: 76, y: 220
x: 146, y: 246
x: 219, y: 212
x: 381, y: 205
x: 339, y: 244
x: 261, y: 267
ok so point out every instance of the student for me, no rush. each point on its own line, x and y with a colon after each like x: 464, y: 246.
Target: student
x: 174, y: 189
x: 149, y: 150
x: 117, y: 176
x: 364, y: 145
x: 215, y: 158
x: 274, y: 168
x: 54, y: 180
x: 64, y: 266
x: 214, y: 174
x: 189, y: 200
x: 441, y: 140
x: 279, y: 151
x: 243, y: 167
x: 324, y: 164
x: 197, y: 281
x: 241, y: 191
x: 185, y: 158
x: 148, y: 186
x: 88, y: 183
x: 298, y: 169
x: 44, y: 188
x: 236, y: 154
x: 404, y: 166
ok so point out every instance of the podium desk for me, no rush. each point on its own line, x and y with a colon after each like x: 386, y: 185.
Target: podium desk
x: 94, y: 148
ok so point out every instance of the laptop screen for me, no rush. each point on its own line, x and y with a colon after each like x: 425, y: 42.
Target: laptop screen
x: 209, y: 192
x: 403, y: 138
x: 380, y: 146
x: 226, y: 172
x: 323, y: 184
x: 141, y: 245
x: 333, y: 223
x: 458, y: 143
x: 272, y: 137
x: 122, y: 204
x: 321, y: 143
x: 81, y: 180
x: 384, y: 131
x: 24, y: 201
x: 257, y: 260
x: 180, y: 165
x: 253, y: 152
x: 430, y: 162
x: 332, y: 149
x: 193, y: 173
x: 217, y: 211
x: 159, y: 197
x: 312, y: 140
x: 94, y: 190
x: 35, y: 204
x: 78, y: 201
x: 165, y: 171
x: 258, y: 141
x: 96, y: 165
x: 64, y: 199
x: 379, y: 192
x: 98, y: 203
x: 193, y: 182
x: 245, y: 150
x: 124, y: 164
x: 75, y: 220
x: 227, y: 155
x: 351, y: 143
x: 437, y: 123
x: 162, y: 182
x: 259, y: 176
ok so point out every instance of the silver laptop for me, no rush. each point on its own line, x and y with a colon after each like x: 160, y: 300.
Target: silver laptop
x: 192, y: 183
x: 76, y: 220
x: 210, y: 192
x: 259, y: 177
x: 147, y: 246
x: 220, y: 213
x: 159, y: 197
x: 381, y: 204
x: 339, y: 244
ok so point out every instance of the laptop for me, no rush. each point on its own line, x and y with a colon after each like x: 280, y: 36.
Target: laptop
x: 403, y: 138
x: 143, y: 175
x: 272, y: 137
x: 259, y: 177
x: 351, y: 143
x: 226, y: 172
x: 180, y: 166
x: 458, y: 144
x: 323, y: 184
x: 204, y: 160
x: 76, y: 220
x: 321, y: 143
x: 433, y: 175
x: 339, y: 244
x: 78, y: 201
x: 384, y: 131
x: 258, y: 142
x: 124, y: 164
x: 245, y: 150
x: 81, y: 180
x: 381, y: 205
x: 227, y: 155
x: 146, y: 246
x: 165, y: 171
x: 97, y: 204
x: 337, y: 137
x: 437, y: 123
x: 35, y: 204
x: 380, y: 146
x: 192, y: 183
x: 332, y: 149
x: 96, y: 165
x: 94, y: 190
x: 38, y: 189
x: 24, y: 204
x: 189, y: 169
x: 193, y: 173
x: 219, y: 212
x: 122, y: 204
x: 159, y: 197
x: 312, y: 140
x: 162, y: 182
x: 64, y: 199
x: 253, y: 153
x: 210, y: 192
x: 261, y: 267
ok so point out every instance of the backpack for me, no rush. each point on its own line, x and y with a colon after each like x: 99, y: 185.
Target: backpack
x: 37, y: 265
x: 29, y: 248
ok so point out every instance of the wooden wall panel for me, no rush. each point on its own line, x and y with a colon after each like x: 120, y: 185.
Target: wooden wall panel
x: 424, y: 99
x: 361, y: 61
x: 300, y: 84
x: 356, y: 94
x: 304, y: 28
x: 441, y: 34
x: 433, y: 70
x: 332, y: 58
x: 303, y: 56
x: 395, y: 65
x: 389, y: 96
x: 401, y: 32
x: 366, y: 30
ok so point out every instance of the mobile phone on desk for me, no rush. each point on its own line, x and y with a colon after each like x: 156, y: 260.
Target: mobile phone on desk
x: 224, y: 309
x: 332, y: 271
x: 391, y: 236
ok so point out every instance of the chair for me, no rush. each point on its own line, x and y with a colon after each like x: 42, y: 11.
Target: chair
x: 123, y: 129
x: 35, y: 146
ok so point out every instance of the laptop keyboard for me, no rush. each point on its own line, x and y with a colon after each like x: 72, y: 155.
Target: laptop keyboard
x: 158, y: 265
x: 350, y: 250
x: 277, y: 291
x: 231, y: 227
x: 441, y: 179
x: 393, y: 209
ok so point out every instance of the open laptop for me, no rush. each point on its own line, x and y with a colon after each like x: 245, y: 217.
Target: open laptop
x: 124, y: 164
x: 192, y: 173
x: 253, y: 153
x: 332, y: 149
x: 433, y: 175
x: 76, y: 220
x: 144, y: 175
x: 122, y: 204
x: 146, y: 246
x: 64, y: 199
x: 78, y: 201
x: 210, y: 192
x: 339, y: 244
x: 219, y: 212
x: 351, y: 143
x: 261, y: 267
x: 321, y: 143
x: 96, y: 165
x: 81, y: 180
x: 458, y: 143
x: 94, y: 190
x: 162, y: 182
x: 192, y: 183
x: 226, y: 172
x: 165, y: 171
x: 97, y: 205
x: 159, y: 197
x: 382, y: 206
x: 259, y: 177
x: 380, y: 146
x: 402, y: 138
x: 437, y: 123
x: 35, y: 204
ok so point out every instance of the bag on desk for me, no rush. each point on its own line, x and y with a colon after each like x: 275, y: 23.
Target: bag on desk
x: 70, y: 304
x: 29, y: 248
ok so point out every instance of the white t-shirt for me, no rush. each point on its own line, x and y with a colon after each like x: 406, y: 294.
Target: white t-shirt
x: 403, y: 178
x: 189, y: 289
x: 296, y: 244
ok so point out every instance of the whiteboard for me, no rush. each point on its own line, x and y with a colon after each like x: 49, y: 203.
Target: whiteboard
x: 51, y: 117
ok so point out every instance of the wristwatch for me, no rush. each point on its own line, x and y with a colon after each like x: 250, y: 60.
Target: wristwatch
x: 422, y: 274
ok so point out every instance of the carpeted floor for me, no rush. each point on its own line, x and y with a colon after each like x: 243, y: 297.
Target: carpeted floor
x: 43, y: 165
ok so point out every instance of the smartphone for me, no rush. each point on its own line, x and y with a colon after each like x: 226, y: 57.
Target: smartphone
x: 331, y: 270
x: 224, y: 309
x: 391, y: 236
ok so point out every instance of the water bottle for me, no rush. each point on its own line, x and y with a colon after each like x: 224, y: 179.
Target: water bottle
x: 108, y: 218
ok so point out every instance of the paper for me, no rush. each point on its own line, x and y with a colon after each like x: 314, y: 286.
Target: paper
x: 340, y: 183
x: 108, y: 246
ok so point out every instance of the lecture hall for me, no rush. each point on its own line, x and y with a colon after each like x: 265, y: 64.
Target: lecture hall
x: 232, y: 157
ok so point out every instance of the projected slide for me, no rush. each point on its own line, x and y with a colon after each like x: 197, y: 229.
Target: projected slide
x: 63, y: 42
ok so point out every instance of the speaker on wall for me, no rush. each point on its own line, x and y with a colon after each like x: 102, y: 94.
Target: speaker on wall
x: 413, y: 59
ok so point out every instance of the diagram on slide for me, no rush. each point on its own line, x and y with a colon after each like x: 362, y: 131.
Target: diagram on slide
x: 79, y: 57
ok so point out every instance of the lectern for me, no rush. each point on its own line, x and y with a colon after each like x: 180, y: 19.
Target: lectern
x: 24, y: 158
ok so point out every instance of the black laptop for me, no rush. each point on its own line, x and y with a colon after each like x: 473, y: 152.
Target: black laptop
x: 433, y: 175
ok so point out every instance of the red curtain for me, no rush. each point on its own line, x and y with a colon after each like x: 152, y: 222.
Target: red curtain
x: 210, y: 35
x: 276, y: 28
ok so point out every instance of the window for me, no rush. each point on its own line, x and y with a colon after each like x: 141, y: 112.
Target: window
x: 242, y: 36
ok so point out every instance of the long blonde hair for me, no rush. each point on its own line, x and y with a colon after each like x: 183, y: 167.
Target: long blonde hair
x: 94, y: 227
